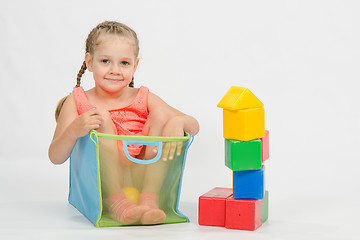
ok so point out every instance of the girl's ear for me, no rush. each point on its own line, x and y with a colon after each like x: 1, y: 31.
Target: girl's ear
x: 88, y: 61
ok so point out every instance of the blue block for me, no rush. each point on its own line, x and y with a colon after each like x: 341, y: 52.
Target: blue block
x: 249, y: 184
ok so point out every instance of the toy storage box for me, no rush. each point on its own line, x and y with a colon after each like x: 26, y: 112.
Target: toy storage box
x: 85, y: 191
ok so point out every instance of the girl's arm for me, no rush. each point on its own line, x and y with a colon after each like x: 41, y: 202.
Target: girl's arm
x: 71, y: 126
x: 180, y: 120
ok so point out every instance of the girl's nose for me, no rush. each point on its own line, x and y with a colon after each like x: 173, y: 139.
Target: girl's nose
x: 115, y: 69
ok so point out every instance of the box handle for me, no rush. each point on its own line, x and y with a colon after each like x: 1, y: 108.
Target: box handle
x: 150, y: 143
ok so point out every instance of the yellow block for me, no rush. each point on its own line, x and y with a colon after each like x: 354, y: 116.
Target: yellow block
x: 238, y: 98
x: 244, y: 125
x: 132, y: 194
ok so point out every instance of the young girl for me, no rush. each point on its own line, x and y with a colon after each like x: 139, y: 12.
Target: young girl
x: 114, y: 106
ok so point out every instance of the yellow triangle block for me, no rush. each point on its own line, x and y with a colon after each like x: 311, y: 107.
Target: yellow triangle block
x: 238, y: 98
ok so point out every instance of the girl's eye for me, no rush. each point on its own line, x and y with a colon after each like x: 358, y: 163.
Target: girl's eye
x: 105, y: 61
x: 125, y: 63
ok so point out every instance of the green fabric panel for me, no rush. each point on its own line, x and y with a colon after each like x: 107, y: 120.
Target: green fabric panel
x: 171, y: 217
x: 169, y: 194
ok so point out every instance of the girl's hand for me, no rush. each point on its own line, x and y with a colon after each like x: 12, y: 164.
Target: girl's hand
x: 86, y: 122
x: 173, y: 128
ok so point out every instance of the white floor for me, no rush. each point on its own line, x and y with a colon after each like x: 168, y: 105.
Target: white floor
x: 34, y: 206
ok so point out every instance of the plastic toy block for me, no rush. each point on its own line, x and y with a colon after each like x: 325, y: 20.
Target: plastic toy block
x: 265, y: 147
x: 244, y: 125
x: 249, y: 184
x: 265, y: 207
x: 240, y: 155
x: 239, y: 98
x: 212, y: 207
x: 243, y: 214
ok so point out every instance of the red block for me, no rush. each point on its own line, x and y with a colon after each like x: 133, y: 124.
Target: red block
x: 212, y: 207
x: 265, y: 147
x: 243, y: 214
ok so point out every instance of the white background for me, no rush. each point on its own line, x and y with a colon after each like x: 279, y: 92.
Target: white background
x: 300, y: 58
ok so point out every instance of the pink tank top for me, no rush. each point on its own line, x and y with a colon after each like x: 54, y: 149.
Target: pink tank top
x: 129, y: 120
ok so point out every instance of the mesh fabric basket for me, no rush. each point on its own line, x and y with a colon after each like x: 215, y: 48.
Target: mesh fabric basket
x: 86, y: 192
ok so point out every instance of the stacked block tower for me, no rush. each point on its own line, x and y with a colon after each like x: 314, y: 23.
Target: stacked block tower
x: 245, y: 205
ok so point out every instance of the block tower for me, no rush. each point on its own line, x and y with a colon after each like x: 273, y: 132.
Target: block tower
x: 245, y: 205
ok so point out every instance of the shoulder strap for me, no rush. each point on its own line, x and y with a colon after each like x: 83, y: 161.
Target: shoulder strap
x: 82, y: 103
x: 141, y: 98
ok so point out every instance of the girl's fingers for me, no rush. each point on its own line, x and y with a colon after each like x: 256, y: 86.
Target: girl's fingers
x: 165, y: 151
x: 92, y: 112
x: 95, y: 126
x: 172, y: 150
x: 95, y: 113
x: 178, y: 148
x: 169, y: 150
x: 97, y: 123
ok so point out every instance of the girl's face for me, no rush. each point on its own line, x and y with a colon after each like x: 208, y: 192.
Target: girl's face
x: 113, y: 62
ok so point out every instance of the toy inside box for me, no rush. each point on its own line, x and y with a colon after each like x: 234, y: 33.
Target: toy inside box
x: 91, y: 172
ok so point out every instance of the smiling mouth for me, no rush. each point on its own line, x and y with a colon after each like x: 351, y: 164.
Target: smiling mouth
x: 114, y: 79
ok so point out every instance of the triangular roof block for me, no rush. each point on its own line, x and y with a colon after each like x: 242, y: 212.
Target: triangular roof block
x: 239, y: 98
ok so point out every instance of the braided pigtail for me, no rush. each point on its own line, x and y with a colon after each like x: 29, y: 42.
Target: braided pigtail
x: 81, y: 72
x: 131, y: 84
x: 78, y: 81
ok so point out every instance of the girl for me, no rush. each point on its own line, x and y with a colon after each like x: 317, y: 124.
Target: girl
x: 114, y: 106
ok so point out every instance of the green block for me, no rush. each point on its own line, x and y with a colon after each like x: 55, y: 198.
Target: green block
x: 265, y: 207
x: 243, y: 155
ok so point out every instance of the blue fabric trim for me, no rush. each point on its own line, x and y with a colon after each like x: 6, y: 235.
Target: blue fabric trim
x: 181, y: 176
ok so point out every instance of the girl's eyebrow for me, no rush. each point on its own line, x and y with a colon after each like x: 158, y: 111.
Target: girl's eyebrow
x: 104, y: 55
x: 107, y: 56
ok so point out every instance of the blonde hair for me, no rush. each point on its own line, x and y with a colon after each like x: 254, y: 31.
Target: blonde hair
x: 93, y: 40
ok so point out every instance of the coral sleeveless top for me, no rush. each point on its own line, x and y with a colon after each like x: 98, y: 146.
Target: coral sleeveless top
x: 129, y: 120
